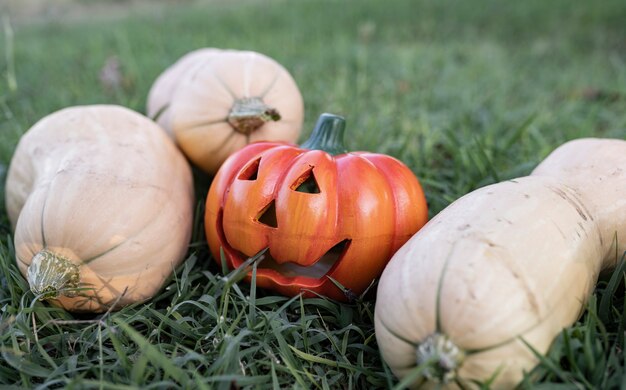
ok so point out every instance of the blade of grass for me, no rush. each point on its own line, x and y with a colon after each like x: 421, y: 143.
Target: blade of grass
x: 155, y: 356
x: 9, y: 53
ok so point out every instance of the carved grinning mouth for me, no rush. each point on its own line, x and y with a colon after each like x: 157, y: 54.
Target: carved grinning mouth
x: 315, y: 271
x: 267, y: 263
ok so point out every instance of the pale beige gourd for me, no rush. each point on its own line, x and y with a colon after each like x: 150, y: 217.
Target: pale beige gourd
x: 162, y: 90
x: 214, y: 102
x: 100, y: 200
x: 508, y: 264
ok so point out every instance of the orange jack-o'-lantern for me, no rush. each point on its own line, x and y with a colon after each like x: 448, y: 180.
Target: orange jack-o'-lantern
x: 325, y: 214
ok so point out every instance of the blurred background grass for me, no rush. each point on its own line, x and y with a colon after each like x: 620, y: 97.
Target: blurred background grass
x: 465, y: 93
x: 426, y: 81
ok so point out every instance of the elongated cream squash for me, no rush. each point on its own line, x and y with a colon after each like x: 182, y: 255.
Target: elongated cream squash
x: 504, y: 267
x: 214, y: 102
x: 101, y: 203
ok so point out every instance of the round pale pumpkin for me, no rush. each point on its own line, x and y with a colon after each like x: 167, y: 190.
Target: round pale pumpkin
x: 161, y: 92
x: 215, y: 102
x: 101, y: 203
x: 326, y: 215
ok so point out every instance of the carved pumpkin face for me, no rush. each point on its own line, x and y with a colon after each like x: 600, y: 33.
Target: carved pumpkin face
x: 321, y: 212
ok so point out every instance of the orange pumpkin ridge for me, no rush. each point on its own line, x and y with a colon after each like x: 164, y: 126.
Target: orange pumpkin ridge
x: 323, y: 213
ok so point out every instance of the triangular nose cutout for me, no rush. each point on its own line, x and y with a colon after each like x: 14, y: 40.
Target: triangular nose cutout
x: 306, y: 183
x: 267, y: 216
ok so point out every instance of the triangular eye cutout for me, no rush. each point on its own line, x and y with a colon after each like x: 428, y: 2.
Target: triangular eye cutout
x: 251, y: 171
x: 306, y: 183
x: 267, y: 216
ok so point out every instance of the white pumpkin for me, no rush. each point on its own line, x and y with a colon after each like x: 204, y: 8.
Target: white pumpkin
x: 506, y: 266
x: 162, y: 90
x: 215, y: 102
x: 101, y: 202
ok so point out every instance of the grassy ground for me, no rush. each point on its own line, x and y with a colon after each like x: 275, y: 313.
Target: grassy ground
x: 465, y: 93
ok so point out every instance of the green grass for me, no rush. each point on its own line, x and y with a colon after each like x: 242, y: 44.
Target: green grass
x: 465, y: 93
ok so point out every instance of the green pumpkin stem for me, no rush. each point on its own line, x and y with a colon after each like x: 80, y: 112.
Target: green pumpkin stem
x: 327, y: 135
x: 441, y: 357
x: 49, y: 274
x: 248, y: 114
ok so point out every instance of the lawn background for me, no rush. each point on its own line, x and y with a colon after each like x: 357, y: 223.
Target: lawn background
x: 465, y: 93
